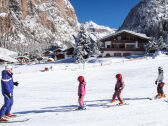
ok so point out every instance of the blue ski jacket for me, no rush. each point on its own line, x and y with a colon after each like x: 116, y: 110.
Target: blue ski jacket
x: 7, y: 83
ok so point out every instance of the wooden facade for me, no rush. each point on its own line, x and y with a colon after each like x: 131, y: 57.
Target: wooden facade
x: 23, y: 60
x: 123, y: 43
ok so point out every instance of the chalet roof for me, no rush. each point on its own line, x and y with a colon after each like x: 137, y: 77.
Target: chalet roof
x: 131, y: 32
x: 23, y: 57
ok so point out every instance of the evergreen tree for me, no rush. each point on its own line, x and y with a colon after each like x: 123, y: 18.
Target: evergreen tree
x: 83, y: 46
x: 161, y: 44
x: 151, y: 46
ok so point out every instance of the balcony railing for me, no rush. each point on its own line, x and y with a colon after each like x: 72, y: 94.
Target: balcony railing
x: 122, y: 49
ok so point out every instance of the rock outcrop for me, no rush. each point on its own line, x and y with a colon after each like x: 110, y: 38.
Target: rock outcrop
x: 149, y: 17
x: 35, y: 25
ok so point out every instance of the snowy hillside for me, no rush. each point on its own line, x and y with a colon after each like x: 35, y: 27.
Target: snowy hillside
x: 7, y: 52
x: 98, y: 31
x: 7, y: 55
x: 149, y: 17
x: 47, y: 97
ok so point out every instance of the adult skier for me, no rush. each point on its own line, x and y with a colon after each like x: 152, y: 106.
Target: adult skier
x: 7, y: 85
x: 81, y: 92
x: 118, y: 89
x: 159, y: 82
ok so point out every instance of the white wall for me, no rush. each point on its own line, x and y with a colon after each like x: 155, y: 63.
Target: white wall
x: 107, y: 43
x: 122, y: 52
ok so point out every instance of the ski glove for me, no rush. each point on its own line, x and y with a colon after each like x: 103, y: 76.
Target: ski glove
x: 8, y: 96
x: 156, y: 82
x: 16, y: 83
x: 161, y: 85
x: 80, y: 95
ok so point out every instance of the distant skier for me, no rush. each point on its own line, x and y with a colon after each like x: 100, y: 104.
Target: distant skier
x: 118, y: 89
x: 160, y: 83
x: 81, y: 92
x: 7, y: 85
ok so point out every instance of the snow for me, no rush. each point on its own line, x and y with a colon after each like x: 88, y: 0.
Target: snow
x: 3, y: 15
x: 46, y: 97
x: 91, y: 24
x: 7, y: 55
x: 7, y: 52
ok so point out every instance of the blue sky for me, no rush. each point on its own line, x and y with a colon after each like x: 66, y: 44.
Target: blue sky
x: 103, y: 12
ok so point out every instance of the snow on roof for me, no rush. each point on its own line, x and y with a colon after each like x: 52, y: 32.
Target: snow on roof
x: 7, y: 58
x: 7, y: 52
x: 7, y: 55
x: 131, y: 32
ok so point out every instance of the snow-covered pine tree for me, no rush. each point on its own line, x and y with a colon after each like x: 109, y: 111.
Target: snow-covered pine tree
x: 95, y: 47
x: 161, y: 44
x: 83, y: 46
x: 151, y: 46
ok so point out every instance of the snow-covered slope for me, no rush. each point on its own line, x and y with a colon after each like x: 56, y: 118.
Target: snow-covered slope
x: 7, y: 55
x: 98, y: 31
x: 47, y: 97
x: 149, y: 17
x: 7, y: 52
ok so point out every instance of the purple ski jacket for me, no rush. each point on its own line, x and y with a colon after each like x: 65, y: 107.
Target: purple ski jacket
x: 119, y: 85
x: 81, y: 89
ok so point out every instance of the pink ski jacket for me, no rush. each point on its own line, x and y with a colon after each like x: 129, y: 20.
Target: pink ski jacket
x: 119, y: 85
x: 81, y: 89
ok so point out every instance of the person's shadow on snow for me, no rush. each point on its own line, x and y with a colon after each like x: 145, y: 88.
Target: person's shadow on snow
x: 68, y: 108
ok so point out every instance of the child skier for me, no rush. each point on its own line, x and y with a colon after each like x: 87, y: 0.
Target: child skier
x: 118, y: 89
x: 160, y: 83
x: 81, y: 92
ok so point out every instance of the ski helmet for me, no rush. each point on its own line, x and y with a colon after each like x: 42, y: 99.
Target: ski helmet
x: 81, y: 79
x: 160, y: 68
x: 119, y: 76
x: 8, y: 67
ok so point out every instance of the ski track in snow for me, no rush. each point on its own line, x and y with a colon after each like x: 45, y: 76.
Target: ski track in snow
x: 46, y: 97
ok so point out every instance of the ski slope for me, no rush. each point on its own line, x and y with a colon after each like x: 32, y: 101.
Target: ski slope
x: 46, y: 97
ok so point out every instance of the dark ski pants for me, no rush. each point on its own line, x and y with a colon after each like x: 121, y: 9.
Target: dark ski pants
x: 160, y: 88
x: 118, y: 95
x: 6, y: 108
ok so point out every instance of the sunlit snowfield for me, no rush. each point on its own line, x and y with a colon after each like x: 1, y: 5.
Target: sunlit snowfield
x: 46, y: 97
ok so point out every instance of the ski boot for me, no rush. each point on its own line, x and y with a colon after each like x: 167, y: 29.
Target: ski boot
x: 2, y: 119
x: 121, y: 103
x: 158, y: 95
x: 112, y: 101
x: 9, y: 115
x: 162, y: 96
x: 82, y: 107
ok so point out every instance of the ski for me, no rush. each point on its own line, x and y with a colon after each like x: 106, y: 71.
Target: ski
x: 115, y: 105
x: 76, y: 109
x: 16, y: 121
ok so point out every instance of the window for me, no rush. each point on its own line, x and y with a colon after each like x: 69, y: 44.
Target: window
x: 119, y: 38
x: 108, y: 46
x: 130, y: 46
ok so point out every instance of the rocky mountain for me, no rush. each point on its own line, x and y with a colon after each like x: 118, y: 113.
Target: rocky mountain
x: 97, y: 31
x: 35, y: 25
x: 149, y: 17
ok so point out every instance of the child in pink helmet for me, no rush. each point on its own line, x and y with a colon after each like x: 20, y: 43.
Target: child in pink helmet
x: 81, y: 92
x: 118, y: 89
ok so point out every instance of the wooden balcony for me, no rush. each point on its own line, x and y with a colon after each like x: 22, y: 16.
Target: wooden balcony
x: 122, y: 49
